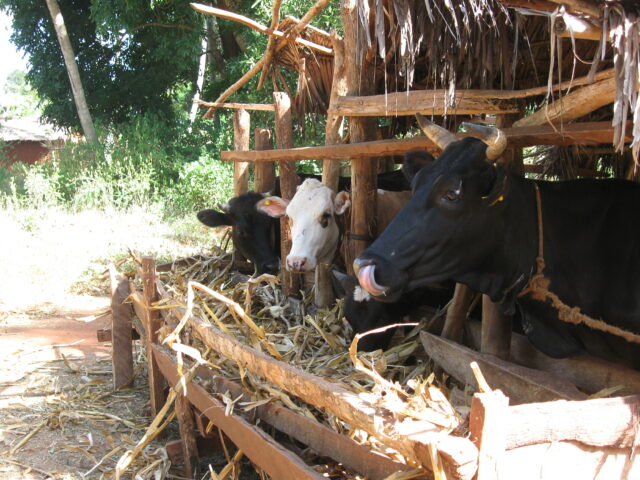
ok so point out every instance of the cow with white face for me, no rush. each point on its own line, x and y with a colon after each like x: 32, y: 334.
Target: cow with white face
x: 311, y: 213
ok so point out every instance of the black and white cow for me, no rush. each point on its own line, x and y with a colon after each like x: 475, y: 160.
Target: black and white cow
x: 472, y: 221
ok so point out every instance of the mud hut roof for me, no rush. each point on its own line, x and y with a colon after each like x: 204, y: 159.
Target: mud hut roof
x: 28, y: 129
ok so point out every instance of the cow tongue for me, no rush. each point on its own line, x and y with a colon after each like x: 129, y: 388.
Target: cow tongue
x: 368, y: 282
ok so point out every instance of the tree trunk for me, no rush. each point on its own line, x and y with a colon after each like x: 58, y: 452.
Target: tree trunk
x: 72, y: 70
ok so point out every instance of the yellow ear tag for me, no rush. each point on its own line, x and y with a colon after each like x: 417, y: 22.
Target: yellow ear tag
x: 500, y: 198
x: 267, y: 202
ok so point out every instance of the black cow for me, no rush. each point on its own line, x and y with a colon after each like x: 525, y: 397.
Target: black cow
x: 364, y: 313
x: 472, y: 221
x: 256, y: 235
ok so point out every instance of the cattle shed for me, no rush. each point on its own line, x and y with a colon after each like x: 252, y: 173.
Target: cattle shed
x: 27, y: 140
x: 256, y: 363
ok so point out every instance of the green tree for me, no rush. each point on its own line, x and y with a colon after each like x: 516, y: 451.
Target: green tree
x: 131, y: 55
x: 18, y: 99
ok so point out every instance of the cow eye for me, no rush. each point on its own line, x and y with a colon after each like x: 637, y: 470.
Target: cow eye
x: 324, y: 220
x: 452, y: 196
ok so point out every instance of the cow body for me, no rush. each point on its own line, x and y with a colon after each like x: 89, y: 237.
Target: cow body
x: 475, y: 223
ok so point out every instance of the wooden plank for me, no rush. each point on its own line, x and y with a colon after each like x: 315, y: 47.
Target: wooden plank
x: 588, y: 373
x: 263, y: 450
x: 319, y: 438
x: 288, y: 184
x: 121, y: 345
x: 104, y: 334
x: 519, y: 383
x: 459, y: 454
x: 263, y: 107
x: 186, y: 425
x: 496, y: 330
x: 265, y: 175
x: 241, y: 133
x: 152, y: 321
x: 586, y: 133
x: 603, y: 422
x: 487, y: 426
x: 427, y: 102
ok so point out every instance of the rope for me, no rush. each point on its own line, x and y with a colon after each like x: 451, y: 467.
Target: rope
x: 538, y: 288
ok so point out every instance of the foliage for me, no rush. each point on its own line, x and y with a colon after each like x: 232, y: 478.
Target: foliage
x: 18, y: 99
x: 130, y: 55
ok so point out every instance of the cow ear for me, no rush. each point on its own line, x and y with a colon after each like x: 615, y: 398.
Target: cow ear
x: 273, y: 206
x: 414, y: 161
x: 343, y: 284
x: 342, y: 202
x: 213, y: 218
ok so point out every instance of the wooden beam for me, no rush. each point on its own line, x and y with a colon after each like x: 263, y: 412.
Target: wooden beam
x: 271, y: 43
x: 573, y: 105
x: 186, y: 425
x: 520, y: 384
x: 263, y: 450
x: 488, y: 424
x: 121, y: 337
x: 265, y: 107
x: 603, y: 422
x: 427, y: 102
x: 241, y: 134
x: 581, y: 6
x: 571, y: 26
x: 319, y: 438
x: 218, y: 12
x: 587, y: 133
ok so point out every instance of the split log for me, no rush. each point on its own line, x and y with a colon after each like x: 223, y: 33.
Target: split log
x: 152, y: 322
x: 488, y: 424
x: 288, y: 183
x: 573, y: 105
x: 265, y: 107
x: 257, y: 445
x: 519, y: 383
x: 121, y: 337
x: 588, y: 373
x: 265, y: 175
x: 584, y: 133
x: 459, y: 455
x: 241, y: 133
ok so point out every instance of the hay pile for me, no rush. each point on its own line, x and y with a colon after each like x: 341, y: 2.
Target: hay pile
x: 255, y: 313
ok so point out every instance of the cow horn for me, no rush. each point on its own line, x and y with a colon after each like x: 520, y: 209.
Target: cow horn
x: 438, y: 135
x: 495, y: 139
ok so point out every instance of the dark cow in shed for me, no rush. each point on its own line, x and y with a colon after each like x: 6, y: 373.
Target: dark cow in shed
x: 256, y: 235
x: 472, y: 221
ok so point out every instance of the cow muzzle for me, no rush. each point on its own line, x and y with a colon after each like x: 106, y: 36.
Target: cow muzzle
x: 365, y: 271
x: 299, y: 264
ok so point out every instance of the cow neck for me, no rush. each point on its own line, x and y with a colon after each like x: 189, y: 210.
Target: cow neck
x: 538, y: 288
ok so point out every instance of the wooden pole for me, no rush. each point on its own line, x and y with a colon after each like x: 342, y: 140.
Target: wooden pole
x: 121, y: 335
x: 360, y: 77
x: 186, y: 425
x: 288, y: 182
x: 265, y: 176
x: 271, y: 43
x: 457, y: 313
x: 331, y: 168
x: 152, y: 323
x: 241, y: 132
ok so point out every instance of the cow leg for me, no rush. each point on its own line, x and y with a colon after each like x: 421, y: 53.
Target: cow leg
x: 457, y: 313
x: 496, y: 330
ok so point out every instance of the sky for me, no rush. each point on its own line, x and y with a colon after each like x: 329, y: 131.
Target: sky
x: 10, y: 58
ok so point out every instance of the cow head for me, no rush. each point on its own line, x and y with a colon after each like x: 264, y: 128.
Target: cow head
x: 311, y: 213
x: 253, y: 232
x: 451, y: 224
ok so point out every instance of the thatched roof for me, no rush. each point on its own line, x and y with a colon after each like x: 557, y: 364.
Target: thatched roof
x: 28, y: 129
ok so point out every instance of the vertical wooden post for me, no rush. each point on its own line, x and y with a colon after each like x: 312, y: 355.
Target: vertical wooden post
x: 288, y: 182
x: 152, y: 324
x: 323, y: 292
x: 331, y: 168
x: 241, y: 133
x: 121, y: 342
x: 457, y: 313
x: 488, y: 422
x: 496, y: 330
x: 264, y: 172
x: 360, y: 81
x: 186, y: 424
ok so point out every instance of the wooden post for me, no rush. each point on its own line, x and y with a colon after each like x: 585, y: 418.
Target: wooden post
x: 360, y: 81
x: 186, y: 424
x: 323, y: 293
x: 496, y: 330
x: 265, y: 177
x: 152, y: 322
x: 488, y: 423
x: 241, y: 130
x: 288, y: 183
x: 331, y: 168
x: 457, y: 313
x: 121, y: 336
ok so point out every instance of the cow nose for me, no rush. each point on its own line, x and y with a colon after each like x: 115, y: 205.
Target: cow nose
x: 296, y: 263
